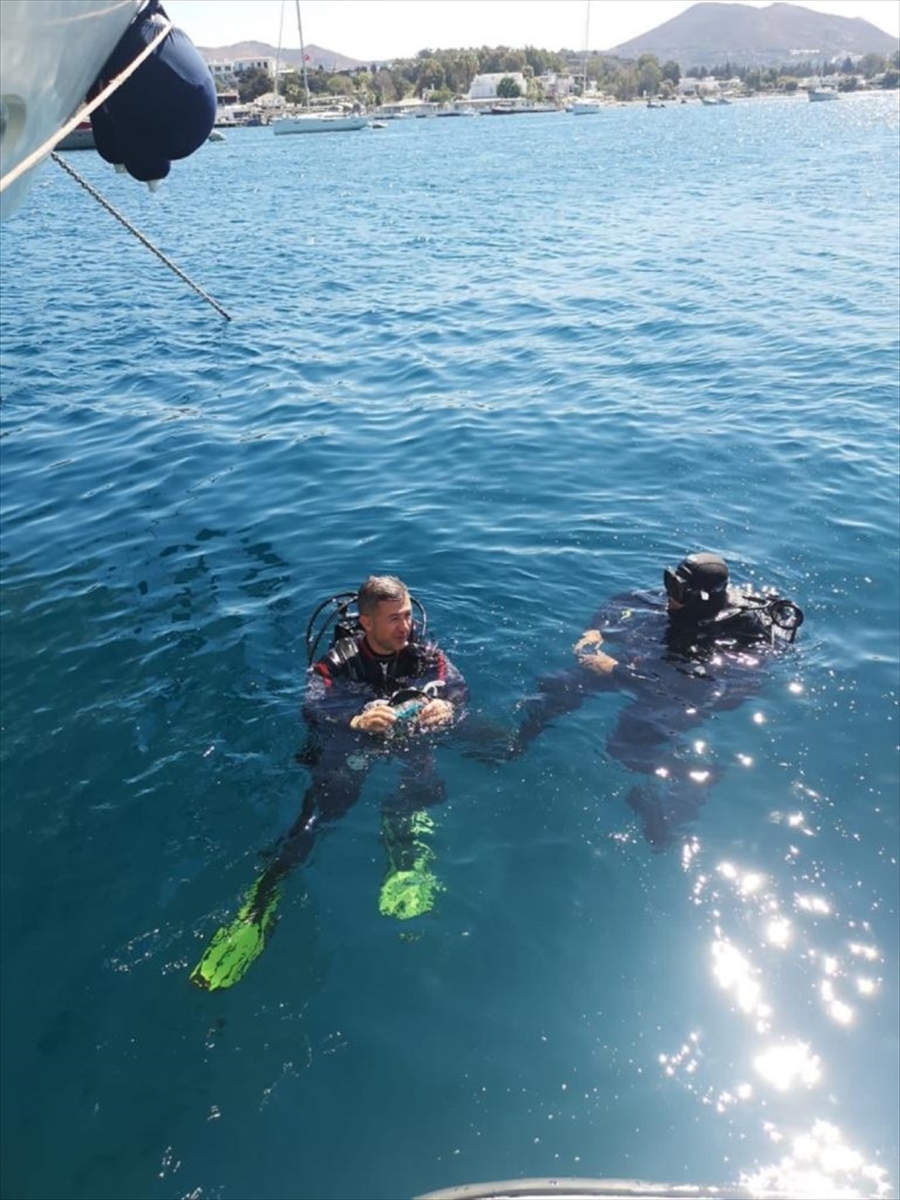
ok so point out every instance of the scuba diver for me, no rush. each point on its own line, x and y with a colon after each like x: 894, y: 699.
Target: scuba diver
x: 698, y: 653
x: 379, y: 691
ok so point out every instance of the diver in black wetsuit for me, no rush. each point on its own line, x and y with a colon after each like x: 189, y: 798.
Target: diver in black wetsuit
x: 699, y: 652
x: 380, y: 683
x: 376, y: 692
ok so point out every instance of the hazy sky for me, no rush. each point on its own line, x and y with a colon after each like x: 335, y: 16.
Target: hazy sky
x: 367, y: 29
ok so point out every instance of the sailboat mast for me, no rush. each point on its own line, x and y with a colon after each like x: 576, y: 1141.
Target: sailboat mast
x: 302, y: 52
x: 587, y: 34
x: 278, y: 52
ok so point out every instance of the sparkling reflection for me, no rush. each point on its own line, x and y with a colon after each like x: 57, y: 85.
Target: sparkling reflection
x: 770, y: 945
x: 787, y: 1066
x: 820, y: 1166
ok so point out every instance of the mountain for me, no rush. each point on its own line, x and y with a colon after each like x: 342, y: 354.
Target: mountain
x: 711, y: 34
x: 704, y: 35
x: 316, y: 57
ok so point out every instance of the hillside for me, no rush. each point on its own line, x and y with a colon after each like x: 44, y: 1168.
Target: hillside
x: 329, y: 60
x: 707, y: 34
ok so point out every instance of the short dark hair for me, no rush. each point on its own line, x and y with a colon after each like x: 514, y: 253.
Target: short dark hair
x: 377, y: 588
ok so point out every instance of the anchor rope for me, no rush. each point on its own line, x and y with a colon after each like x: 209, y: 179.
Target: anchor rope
x: 101, y: 200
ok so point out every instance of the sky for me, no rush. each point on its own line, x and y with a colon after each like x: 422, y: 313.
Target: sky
x: 384, y: 29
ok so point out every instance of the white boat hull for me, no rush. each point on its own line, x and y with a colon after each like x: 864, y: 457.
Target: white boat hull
x: 50, y: 54
x: 318, y: 123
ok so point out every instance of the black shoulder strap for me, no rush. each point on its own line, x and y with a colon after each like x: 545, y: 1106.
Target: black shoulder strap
x: 345, y: 660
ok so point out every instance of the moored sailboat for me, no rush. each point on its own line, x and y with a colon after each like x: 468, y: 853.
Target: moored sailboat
x: 308, y: 121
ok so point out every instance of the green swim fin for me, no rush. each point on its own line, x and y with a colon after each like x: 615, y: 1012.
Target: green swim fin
x: 236, y: 945
x: 410, y: 888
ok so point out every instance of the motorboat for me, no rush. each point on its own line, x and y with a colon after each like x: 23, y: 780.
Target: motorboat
x: 586, y: 105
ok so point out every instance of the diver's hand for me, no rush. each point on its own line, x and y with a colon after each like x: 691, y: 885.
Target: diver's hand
x: 377, y: 717
x: 588, y: 652
x: 436, y: 712
x: 591, y: 639
x: 599, y: 663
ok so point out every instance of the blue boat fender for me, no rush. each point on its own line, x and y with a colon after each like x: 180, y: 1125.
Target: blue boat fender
x: 164, y: 111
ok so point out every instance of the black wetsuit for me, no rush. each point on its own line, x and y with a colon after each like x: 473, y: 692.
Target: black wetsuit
x: 351, y: 674
x: 339, y: 685
x: 677, y: 671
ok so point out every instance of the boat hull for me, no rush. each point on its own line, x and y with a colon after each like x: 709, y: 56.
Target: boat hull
x: 313, y: 123
x: 50, y: 55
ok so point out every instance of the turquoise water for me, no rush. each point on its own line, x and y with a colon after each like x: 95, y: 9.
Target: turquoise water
x: 524, y: 365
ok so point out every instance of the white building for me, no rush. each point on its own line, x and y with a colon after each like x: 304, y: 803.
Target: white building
x: 227, y: 72
x: 484, y: 87
x: 240, y: 65
x: 556, y: 87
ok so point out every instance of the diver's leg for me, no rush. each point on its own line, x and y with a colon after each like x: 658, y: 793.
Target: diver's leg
x: 556, y: 695
x: 336, y: 785
x: 334, y: 789
x: 646, y: 741
x: 665, y: 808
x: 410, y: 886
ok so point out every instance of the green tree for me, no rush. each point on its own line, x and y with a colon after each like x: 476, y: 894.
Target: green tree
x: 431, y: 76
x: 253, y: 83
x: 871, y: 65
x: 649, y: 74
x: 508, y: 89
x: 339, y: 85
x: 513, y: 60
x: 672, y: 72
x: 626, y: 85
x: 292, y: 89
x: 891, y: 78
x: 468, y: 68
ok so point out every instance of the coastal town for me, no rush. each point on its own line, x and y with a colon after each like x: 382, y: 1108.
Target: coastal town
x: 260, y: 90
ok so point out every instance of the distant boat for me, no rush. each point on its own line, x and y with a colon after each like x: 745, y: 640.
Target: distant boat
x: 713, y: 101
x: 514, y: 109
x: 81, y: 138
x: 585, y: 105
x: 309, y: 121
x: 823, y: 92
x: 324, y: 122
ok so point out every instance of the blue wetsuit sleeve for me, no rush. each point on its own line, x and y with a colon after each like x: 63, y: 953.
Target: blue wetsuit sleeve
x: 329, y: 701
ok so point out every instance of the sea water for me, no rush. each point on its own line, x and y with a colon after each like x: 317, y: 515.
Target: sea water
x: 524, y: 364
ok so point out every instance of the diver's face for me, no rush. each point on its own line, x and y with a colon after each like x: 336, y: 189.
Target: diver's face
x: 388, y: 629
